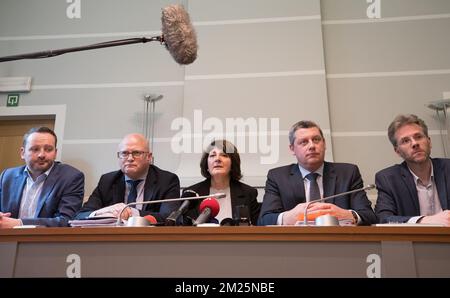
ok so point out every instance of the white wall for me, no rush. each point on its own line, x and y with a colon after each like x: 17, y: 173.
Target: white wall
x: 378, y: 69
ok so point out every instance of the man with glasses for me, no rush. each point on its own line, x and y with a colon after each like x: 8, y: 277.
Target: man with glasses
x: 417, y: 190
x: 136, y: 181
x: 288, y: 188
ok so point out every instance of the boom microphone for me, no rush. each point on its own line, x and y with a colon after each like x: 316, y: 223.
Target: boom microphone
x: 179, y: 34
x: 209, y: 208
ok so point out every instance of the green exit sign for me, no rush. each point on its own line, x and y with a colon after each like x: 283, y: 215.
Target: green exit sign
x: 13, y: 100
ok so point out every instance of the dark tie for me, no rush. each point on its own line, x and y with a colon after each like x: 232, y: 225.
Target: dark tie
x: 132, y: 195
x: 314, y: 192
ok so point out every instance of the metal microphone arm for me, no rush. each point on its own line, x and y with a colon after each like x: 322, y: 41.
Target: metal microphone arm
x: 216, y: 195
x: 305, y: 219
x: 53, y: 53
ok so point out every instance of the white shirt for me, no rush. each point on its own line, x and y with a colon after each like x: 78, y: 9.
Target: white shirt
x: 224, y: 203
x: 428, y: 197
x: 31, y: 194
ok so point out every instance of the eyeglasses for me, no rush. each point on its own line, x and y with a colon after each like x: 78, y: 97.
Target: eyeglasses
x: 408, y: 140
x: 135, y: 154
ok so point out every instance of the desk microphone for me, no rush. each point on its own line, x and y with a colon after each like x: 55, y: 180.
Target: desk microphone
x: 146, y: 221
x: 216, y: 195
x: 209, y: 208
x: 171, y: 220
x: 151, y: 219
x: 228, y: 222
x: 305, y: 219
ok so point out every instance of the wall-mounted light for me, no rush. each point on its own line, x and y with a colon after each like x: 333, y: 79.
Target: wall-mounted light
x: 15, y: 84
x: 150, y: 98
x: 440, y: 106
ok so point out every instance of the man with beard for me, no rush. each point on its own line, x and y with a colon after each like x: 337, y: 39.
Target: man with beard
x: 417, y: 190
x: 137, y: 180
x: 42, y: 192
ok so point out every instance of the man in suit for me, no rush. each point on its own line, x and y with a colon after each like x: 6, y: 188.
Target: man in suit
x: 288, y: 188
x: 42, y: 192
x: 136, y: 181
x: 417, y: 190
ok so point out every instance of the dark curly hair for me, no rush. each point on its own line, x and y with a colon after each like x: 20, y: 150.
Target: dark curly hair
x: 230, y: 150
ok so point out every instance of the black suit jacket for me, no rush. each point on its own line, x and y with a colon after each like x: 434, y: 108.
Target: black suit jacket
x: 285, y: 189
x: 159, y: 185
x: 241, y: 194
x: 397, y: 194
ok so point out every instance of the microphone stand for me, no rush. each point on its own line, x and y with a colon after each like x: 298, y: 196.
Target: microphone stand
x: 305, y: 219
x: 171, y: 220
x: 53, y: 53
x: 216, y: 195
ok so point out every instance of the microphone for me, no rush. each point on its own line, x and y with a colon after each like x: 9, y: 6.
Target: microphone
x: 228, y: 222
x: 178, y: 36
x: 209, y: 208
x: 216, y: 195
x: 137, y: 221
x: 171, y: 220
x: 305, y: 219
x: 151, y: 219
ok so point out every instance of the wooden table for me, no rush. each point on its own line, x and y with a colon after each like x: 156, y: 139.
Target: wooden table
x: 226, y: 252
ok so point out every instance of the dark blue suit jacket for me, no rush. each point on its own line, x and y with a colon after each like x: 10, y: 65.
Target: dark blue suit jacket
x: 397, y: 194
x: 241, y: 194
x: 60, y: 199
x: 159, y: 185
x: 285, y: 189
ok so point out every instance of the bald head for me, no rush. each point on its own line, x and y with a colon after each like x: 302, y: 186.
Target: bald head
x: 135, y: 138
x: 134, y: 155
